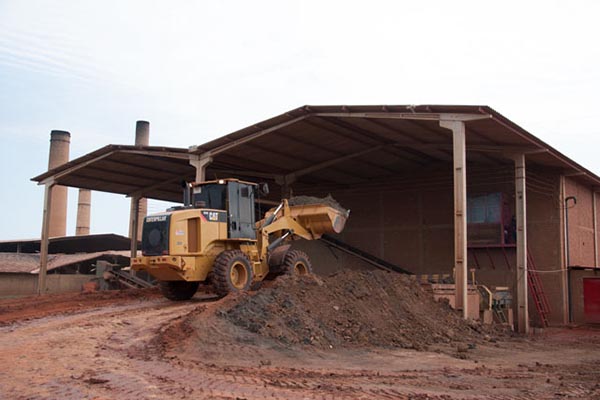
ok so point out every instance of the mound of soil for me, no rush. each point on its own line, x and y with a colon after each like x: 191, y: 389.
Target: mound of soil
x: 306, y: 200
x: 352, y: 308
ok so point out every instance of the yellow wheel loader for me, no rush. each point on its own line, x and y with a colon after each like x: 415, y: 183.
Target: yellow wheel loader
x: 214, y: 238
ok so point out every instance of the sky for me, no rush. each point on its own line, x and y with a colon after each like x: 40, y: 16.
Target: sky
x: 198, y: 70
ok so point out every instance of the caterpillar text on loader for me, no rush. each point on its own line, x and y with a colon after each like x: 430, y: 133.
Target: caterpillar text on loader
x: 214, y: 238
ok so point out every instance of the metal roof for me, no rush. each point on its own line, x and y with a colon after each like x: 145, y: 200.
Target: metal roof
x: 69, y: 244
x: 319, y: 146
x: 155, y: 172
x: 356, y: 144
x: 30, y: 263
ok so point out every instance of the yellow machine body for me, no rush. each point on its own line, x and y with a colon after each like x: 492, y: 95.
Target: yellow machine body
x: 192, y: 238
x: 196, y: 237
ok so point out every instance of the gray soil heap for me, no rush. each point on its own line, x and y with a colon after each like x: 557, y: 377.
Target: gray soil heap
x: 353, y: 309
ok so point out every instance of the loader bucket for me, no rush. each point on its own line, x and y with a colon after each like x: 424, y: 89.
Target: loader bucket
x: 319, y: 219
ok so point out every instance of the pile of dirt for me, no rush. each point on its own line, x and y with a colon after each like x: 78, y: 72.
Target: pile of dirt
x: 353, y: 308
x: 306, y: 200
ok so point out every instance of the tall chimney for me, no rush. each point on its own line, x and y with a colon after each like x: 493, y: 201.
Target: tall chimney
x: 84, y: 204
x: 59, y: 154
x: 142, y: 138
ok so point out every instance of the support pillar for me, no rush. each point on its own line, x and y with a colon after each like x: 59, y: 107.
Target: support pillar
x: 41, y: 289
x: 133, y: 227
x: 460, y: 213
x: 135, y: 203
x: 521, y: 210
x: 595, y: 215
x: 200, y: 163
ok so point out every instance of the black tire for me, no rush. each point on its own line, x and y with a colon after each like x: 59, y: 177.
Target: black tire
x: 178, y: 290
x: 232, y: 272
x: 296, y: 262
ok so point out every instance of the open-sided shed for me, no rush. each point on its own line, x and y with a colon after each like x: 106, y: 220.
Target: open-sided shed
x: 407, y: 173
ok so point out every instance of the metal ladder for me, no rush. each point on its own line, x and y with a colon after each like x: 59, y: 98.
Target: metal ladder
x: 537, y: 290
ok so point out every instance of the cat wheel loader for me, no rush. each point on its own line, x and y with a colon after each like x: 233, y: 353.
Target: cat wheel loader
x: 214, y: 238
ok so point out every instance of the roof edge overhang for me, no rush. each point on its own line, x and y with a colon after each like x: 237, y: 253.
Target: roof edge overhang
x: 173, y: 152
x: 467, y: 113
x: 428, y: 112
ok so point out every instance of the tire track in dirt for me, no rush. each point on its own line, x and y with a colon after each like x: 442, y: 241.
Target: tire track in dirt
x: 163, y: 350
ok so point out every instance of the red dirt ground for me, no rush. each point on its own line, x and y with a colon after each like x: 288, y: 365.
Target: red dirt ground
x: 123, y: 345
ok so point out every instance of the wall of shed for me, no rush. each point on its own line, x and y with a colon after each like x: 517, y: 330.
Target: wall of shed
x: 15, y: 285
x: 581, y: 223
x: 544, y: 237
x: 409, y: 223
x: 577, y: 277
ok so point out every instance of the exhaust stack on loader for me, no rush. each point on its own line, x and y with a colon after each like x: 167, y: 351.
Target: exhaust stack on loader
x: 214, y: 237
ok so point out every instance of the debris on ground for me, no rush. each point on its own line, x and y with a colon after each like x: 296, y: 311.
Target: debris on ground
x: 354, y: 308
x: 31, y: 307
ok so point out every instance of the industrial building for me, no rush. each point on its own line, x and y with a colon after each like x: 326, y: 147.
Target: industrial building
x: 455, y: 190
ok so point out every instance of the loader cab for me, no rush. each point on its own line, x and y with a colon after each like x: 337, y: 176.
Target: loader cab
x: 234, y: 196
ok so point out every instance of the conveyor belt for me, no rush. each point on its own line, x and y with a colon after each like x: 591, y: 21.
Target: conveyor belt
x: 129, y: 280
x: 363, y: 255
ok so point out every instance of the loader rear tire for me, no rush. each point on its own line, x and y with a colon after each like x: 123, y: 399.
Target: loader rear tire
x: 297, y: 263
x: 232, y: 272
x: 178, y: 290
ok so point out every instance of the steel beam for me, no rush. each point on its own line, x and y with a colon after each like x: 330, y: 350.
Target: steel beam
x: 460, y: 212
x: 294, y: 175
x: 250, y: 137
x: 414, y: 116
x: 41, y: 289
x: 521, y: 210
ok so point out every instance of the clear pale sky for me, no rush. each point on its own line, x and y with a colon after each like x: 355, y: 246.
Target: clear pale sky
x: 201, y: 69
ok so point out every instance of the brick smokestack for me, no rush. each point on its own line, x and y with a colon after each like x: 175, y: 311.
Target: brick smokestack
x: 60, y: 142
x: 84, y: 208
x: 142, y: 138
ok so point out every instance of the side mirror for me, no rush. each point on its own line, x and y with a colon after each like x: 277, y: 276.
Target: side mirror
x: 263, y: 189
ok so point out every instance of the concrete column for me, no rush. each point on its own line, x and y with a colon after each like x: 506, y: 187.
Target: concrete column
x: 84, y: 204
x: 200, y: 163
x: 521, y: 209
x: 133, y: 226
x: 142, y: 138
x: 563, y: 234
x: 59, y: 154
x: 46, y: 220
x: 460, y: 213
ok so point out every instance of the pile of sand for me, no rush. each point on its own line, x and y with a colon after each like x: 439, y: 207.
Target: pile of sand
x: 352, y: 308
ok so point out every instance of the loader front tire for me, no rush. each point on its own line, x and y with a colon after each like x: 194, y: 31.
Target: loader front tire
x: 232, y: 272
x: 178, y: 290
x: 297, y: 263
